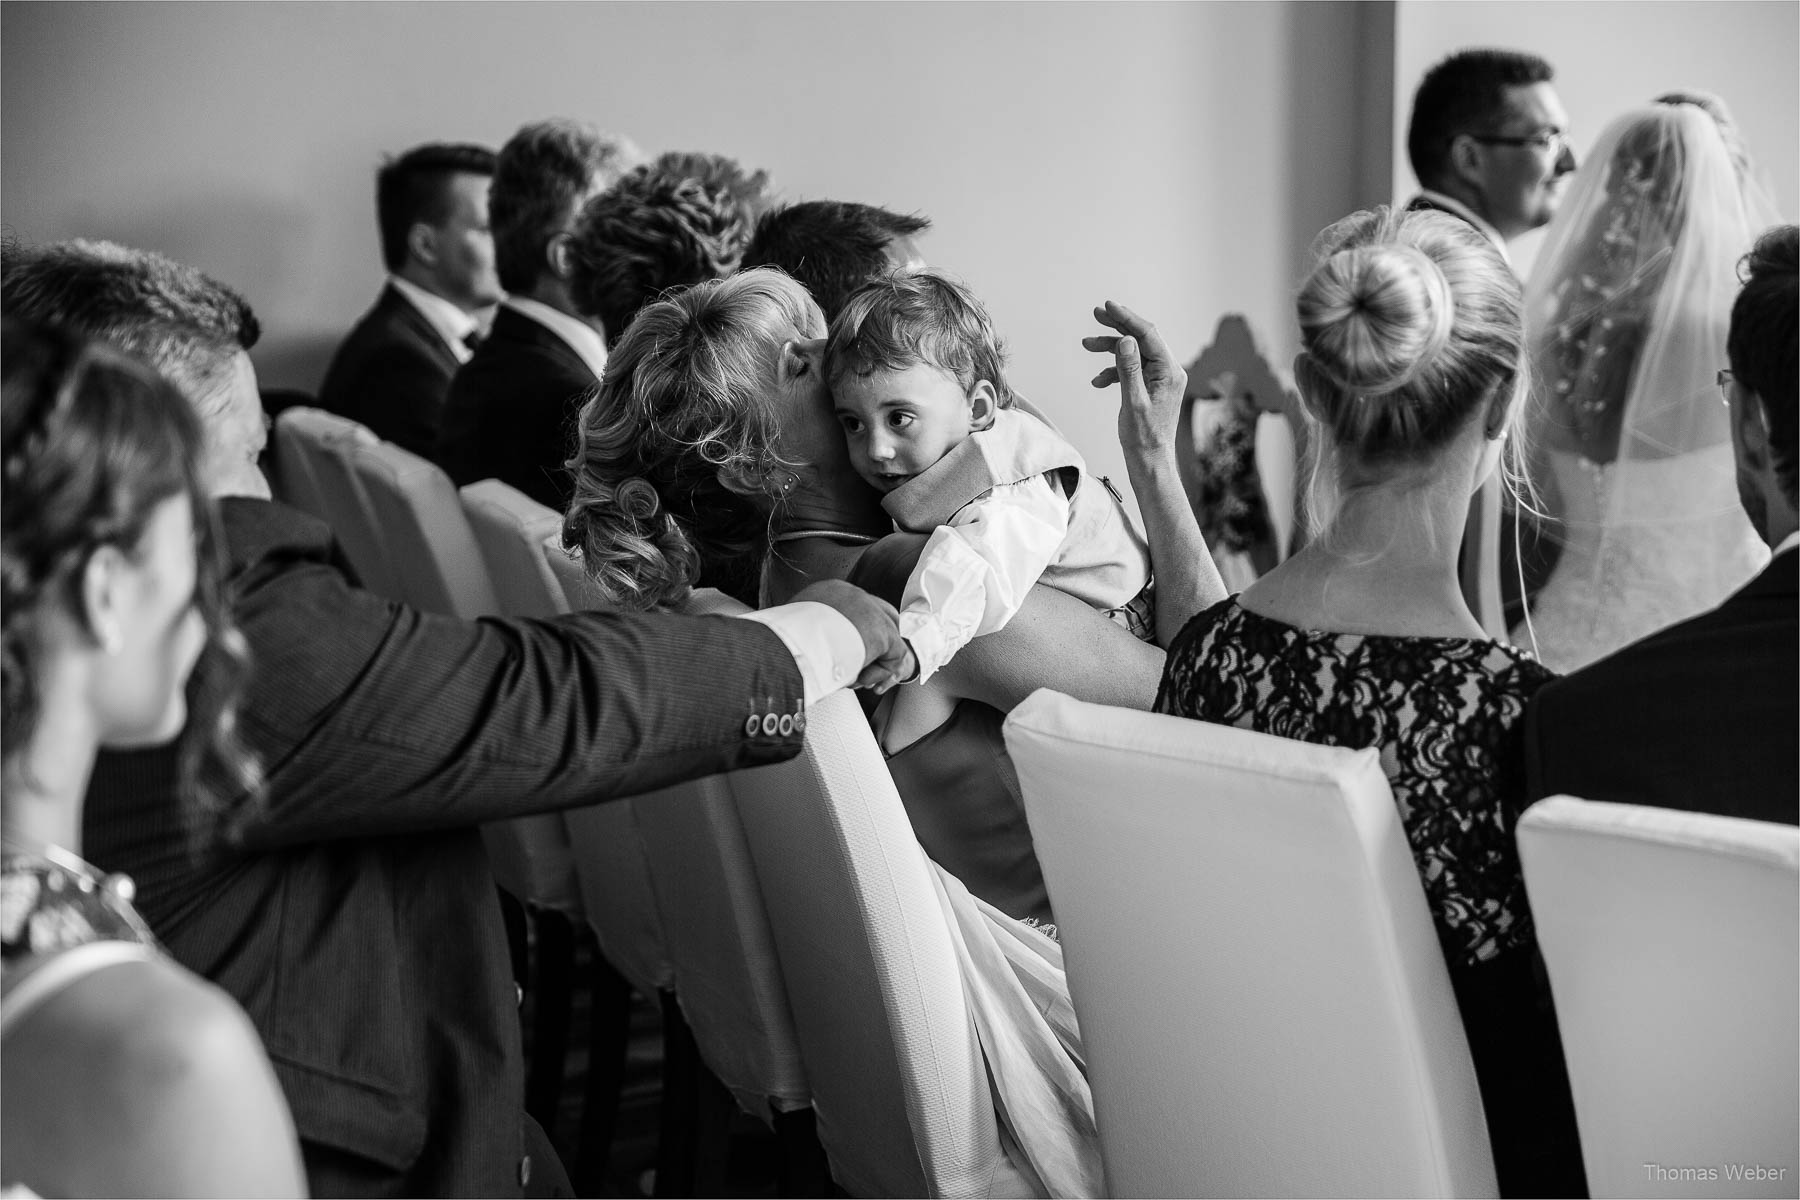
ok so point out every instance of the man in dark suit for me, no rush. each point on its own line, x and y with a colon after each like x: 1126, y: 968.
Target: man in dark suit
x: 1705, y: 715
x: 393, y: 371
x: 350, y: 908
x: 512, y: 407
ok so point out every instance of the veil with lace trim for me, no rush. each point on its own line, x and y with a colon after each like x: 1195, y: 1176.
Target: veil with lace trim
x: 1627, y: 312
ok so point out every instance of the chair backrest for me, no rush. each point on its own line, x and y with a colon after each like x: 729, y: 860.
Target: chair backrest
x: 439, y: 566
x: 578, y: 590
x: 899, y: 1086
x: 727, y: 978
x: 531, y: 856
x: 292, y: 480
x: 1264, y: 1007
x: 323, y: 442
x: 1673, y: 945
x: 509, y: 526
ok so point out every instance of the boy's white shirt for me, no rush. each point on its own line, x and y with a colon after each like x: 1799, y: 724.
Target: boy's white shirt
x: 975, y: 571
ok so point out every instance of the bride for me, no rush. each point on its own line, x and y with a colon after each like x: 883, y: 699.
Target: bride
x: 1628, y: 311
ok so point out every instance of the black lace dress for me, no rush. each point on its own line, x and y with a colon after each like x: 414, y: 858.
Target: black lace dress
x: 1447, y: 717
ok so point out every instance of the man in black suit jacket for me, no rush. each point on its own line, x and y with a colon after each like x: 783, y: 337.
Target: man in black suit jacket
x: 1705, y: 715
x: 350, y: 909
x: 393, y: 371
x: 512, y: 407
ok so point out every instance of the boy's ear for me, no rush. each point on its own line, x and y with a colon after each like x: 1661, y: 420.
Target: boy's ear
x: 983, y: 401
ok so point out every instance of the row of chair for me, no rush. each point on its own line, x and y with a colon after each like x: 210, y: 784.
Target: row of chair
x: 1264, y: 1006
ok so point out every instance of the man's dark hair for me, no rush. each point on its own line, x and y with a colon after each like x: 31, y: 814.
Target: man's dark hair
x: 1464, y: 94
x: 1765, y: 325
x: 539, y: 176
x: 416, y: 187
x: 831, y: 246
x: 675, y: 222
x: 184, y: 323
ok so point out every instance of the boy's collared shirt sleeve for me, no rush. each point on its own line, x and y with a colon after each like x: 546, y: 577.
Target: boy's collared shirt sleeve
x: 974, y: 572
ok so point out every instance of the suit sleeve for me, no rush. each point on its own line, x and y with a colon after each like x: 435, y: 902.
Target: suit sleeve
x: 372, y: 718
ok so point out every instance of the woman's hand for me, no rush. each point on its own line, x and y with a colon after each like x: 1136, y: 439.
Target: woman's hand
x: 1152, y: 384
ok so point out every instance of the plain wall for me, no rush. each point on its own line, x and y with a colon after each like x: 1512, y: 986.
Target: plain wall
x: 1612, y: 56
x: 1174, y: 157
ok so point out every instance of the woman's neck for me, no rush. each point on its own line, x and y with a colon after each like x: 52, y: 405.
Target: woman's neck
x: 1386, y: 565
x: 844, y: 509
x: 42, y: 786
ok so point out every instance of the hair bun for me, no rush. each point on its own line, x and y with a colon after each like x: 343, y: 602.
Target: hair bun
x: 1373, y: 317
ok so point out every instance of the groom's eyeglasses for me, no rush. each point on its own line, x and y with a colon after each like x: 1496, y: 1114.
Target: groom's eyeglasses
x: 1551, y: 141
x: 1725, y: 379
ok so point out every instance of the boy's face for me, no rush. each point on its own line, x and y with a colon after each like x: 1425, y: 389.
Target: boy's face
x: 898, y: 423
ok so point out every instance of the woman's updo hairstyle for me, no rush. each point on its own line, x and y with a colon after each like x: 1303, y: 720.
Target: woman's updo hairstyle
x: 685, y: 397
x: 92, y: 443
x: 1411, y: 321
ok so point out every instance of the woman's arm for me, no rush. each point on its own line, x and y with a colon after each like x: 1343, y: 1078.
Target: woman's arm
x: 1152, y: 385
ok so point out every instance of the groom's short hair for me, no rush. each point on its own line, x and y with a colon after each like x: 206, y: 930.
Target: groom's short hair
x: 1765, y: 326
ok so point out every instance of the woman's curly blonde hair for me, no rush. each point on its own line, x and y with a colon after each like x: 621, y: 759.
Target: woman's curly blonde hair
x: 685, y: 401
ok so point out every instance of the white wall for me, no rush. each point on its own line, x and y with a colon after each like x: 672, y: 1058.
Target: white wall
x: 1176, y: 157
x: 1610, y: 56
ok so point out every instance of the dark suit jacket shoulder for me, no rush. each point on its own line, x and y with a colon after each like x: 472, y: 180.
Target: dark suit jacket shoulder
x: 1704, y: 715
x: 512, y: 410
x: 353, y: 914
x: 392, y: 373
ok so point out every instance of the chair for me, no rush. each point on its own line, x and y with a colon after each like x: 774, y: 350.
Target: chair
x: 321, y: 442
x: 1671, y: 939
x: 900, y: 1090
x: 291, y: 477
x: 728, y: 981
x: 436, y: 560
x: 1264, y: 1006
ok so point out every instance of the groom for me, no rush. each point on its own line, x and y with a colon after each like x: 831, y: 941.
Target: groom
x: 1705, y: 715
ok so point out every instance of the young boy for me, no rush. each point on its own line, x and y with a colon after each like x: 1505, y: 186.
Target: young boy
x: 916, y: 380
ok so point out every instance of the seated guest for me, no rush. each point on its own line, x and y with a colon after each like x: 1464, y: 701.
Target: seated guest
x: 677, y: 221
x: 711, y: 453
x: 835, y: 247
x: 353, y: 913
x: 1705, y: 715
x: 1412, y: 370
x: 511, y: 411
x: 122, y: 1074
x: 393, y: 371
x: 918, y: 382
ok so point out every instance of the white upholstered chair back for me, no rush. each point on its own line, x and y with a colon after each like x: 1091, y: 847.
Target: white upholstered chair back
x: 898, y: 1082
x: 727, y: 978
x: 531, y: 856
x: 1673, y: 944
x: 1264, y: 1006
x: 434, y: 554
x: 509, y: 526
x: 578, y: 590
x: 323, y: 441
x: 293, y: 482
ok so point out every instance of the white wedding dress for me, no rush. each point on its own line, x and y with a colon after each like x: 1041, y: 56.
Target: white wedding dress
x: 1628, y: 312
x: 1678, y: 544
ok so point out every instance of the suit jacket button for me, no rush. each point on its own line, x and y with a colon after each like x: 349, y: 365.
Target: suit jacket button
x: 751, y: 726
x: 769, y: 724
x: 787, y: 725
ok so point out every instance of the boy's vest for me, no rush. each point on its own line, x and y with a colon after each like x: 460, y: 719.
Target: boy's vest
x: 1103, y: 559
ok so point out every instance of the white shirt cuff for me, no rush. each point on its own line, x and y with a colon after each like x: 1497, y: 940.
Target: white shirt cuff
x: 825, y: 645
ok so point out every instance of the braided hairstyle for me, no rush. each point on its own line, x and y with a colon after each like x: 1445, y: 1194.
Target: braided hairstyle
x: 93, y: 443
x: 685, y: 400
x: 1411, y: 323
x: 1761, y: 344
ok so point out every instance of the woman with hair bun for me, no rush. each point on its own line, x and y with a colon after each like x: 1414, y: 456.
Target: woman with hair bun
x: 122, y: 1073
x: 1411, y: 373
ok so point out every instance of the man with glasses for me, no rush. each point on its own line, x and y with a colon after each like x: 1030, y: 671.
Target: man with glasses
x: 1489, y: 142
